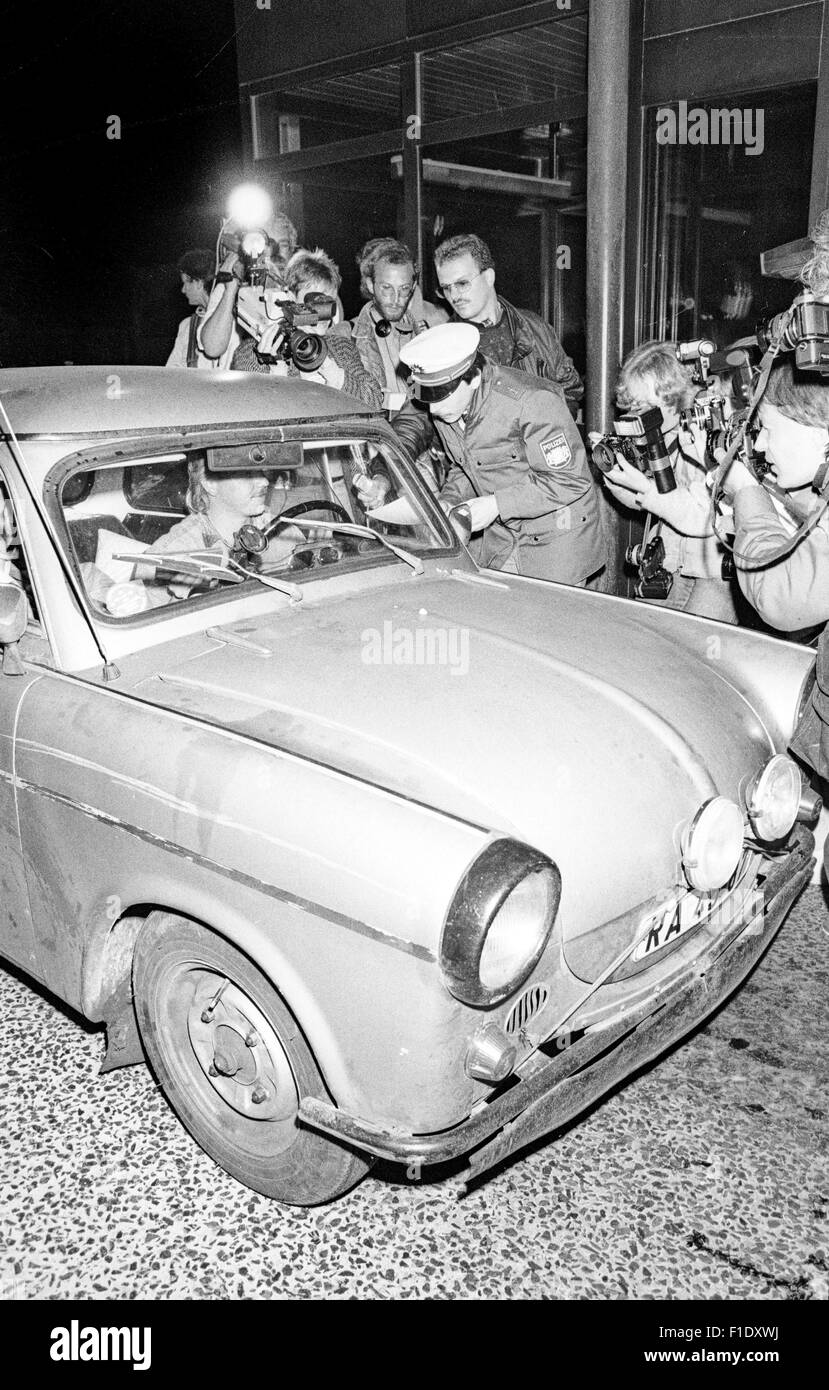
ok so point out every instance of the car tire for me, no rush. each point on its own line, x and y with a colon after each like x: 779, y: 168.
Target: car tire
x: 233, y: 1064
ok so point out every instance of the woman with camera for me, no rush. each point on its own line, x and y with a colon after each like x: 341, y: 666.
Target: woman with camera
x: 652, y: 376
x: 790, y: 592
x: 307, y: 273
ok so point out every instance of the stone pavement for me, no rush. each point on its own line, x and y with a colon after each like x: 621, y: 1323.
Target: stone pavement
x: 705, y: 1177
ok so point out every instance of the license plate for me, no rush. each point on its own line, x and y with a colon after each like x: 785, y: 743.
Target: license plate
x: 669, y: 922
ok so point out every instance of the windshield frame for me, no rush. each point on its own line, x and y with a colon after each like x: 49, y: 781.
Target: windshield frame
x: 132, y: 448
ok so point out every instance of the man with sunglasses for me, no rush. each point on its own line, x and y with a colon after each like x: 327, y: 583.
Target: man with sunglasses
x: 517, y: 462
x: 510, y: 337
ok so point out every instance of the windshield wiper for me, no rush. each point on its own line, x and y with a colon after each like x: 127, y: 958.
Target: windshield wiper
x: 209, y: 564
x: 351, y: 528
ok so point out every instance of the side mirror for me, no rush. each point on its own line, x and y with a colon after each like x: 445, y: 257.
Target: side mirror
x: 14, y: 613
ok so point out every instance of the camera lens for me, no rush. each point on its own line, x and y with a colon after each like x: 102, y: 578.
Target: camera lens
x: 603, y: 457
x: 633, y: 556
x: 308, y: 350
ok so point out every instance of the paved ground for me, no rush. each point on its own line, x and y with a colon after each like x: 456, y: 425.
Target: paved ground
x: 704, y: 1178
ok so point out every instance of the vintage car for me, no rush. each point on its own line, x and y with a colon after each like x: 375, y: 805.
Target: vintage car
x: 369, y: 852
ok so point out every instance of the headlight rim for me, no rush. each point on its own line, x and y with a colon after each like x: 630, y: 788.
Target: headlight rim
x: 485, y: 885
x: 692, y: 827
x: 754, y: 814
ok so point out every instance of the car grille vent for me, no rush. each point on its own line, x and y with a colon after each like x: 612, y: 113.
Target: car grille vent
x: 532, y: 1001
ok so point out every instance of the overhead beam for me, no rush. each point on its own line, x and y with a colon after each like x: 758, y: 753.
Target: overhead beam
x: 489, y: 180
x: 546, y: 12
x: 567, y: 107
x: 786, y: 262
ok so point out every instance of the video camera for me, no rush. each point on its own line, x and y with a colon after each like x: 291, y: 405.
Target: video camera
x: 803, y: 328
x: 638, y: 439
x: 276, y: 322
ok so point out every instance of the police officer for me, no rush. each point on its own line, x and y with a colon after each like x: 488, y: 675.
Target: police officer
x: 515, y: 459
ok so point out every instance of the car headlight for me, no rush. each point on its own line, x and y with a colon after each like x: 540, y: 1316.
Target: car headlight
x: 773, y: 798
x: 712, y: 844
x: 499, y: 922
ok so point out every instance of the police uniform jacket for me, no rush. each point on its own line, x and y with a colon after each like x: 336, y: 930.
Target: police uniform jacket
x: 521, y: 444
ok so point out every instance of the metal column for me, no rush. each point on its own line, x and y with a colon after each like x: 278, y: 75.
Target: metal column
x: 412, y: 119
x: 608, y: 58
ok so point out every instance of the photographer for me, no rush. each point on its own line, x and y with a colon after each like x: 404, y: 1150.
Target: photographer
x: 313, y: 272
x: 651, y: 376
x: 218, y: 335
x: 792, y: 592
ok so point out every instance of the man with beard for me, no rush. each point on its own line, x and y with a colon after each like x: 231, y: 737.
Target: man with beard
x: 394, y: 313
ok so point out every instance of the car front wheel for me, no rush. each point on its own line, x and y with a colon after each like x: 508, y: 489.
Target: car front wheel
x: 233, y: 1063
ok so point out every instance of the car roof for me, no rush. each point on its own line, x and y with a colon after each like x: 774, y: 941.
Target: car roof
x: 112, y: 400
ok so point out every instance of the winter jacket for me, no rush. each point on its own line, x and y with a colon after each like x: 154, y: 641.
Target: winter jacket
x: 539, y: 352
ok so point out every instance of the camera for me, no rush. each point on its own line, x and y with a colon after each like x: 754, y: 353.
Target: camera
x: 638, y: 439
x: 699, y: 354
x: 276, y: 322
x: 802, y: 329
x: 649, y: 559
x: 720, y: 409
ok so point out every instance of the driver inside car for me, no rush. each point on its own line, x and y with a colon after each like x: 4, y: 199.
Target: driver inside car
x: 218, y: 504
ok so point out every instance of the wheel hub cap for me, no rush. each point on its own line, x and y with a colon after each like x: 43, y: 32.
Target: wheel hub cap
x: 239, y: 1051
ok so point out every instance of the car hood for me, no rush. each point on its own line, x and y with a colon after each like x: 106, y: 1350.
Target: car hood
x: 554, y: 715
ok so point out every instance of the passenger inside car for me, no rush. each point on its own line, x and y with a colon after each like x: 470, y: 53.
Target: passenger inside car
x: 218, y: 504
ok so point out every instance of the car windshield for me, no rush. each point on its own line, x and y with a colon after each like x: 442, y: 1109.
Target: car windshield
x: 173, y: 528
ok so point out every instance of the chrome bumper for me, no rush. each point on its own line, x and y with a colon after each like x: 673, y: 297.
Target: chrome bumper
x: 551, y: 1091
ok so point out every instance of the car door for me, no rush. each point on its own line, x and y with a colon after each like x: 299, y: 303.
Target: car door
x: 17, y: 941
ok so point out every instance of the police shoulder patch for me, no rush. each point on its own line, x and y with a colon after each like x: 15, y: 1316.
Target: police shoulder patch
x: 556, y: 450
x: 507, y: 388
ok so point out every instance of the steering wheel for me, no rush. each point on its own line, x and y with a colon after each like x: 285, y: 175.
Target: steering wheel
x: 312, y: 505
x: 254, y: 539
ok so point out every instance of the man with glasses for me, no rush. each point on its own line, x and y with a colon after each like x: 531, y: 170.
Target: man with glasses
x: 394, y: 313
x: 510, y: 337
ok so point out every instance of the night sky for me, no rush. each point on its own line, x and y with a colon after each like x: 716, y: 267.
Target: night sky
x: 91, y: 227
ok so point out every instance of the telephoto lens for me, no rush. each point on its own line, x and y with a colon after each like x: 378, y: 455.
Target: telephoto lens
x: 308, y: 351
x: 659, y: 460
